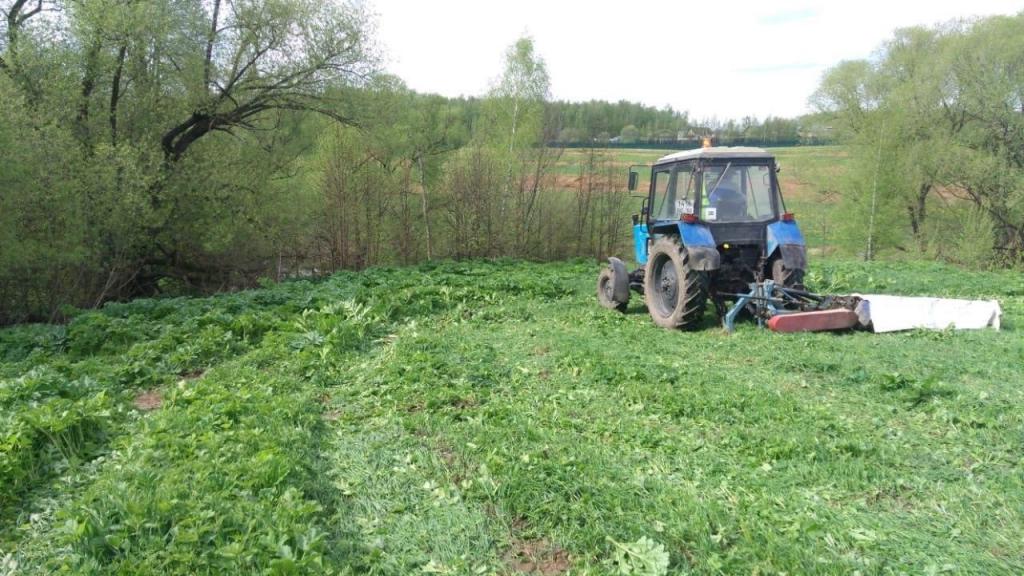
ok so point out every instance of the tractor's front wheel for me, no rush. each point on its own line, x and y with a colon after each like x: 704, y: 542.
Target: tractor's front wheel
x: 676, y: 294
x: 606, y: 291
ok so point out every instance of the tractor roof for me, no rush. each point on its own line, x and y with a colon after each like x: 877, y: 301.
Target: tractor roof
x: 716, y: 152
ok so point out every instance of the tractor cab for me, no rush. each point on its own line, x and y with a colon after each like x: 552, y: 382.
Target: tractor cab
x: 725, y: 206
x: 712, y: 223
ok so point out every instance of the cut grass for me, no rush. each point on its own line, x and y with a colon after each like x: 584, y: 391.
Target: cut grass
x: 489, y: 417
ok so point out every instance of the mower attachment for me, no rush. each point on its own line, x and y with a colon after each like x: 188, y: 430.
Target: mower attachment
x: 790, y: 310
x: 816, y: 321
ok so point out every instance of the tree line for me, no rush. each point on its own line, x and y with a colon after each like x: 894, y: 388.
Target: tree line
x: 632, y: 125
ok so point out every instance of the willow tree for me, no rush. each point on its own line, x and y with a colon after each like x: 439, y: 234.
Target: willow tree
x: 250, y: 57
x: 938, y: 110
x: 185, y: 116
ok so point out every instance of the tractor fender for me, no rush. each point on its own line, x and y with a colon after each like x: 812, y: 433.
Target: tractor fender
x: 794, y: 256
x: 704, y: 258
x: 789, y: 241
x: 621, y: 279
x: 700, y: 246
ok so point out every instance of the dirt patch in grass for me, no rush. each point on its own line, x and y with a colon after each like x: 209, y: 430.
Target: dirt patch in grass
x: 537, y: 557
x: 466, y: 402
x: 448, y: 455
x: 148, y: 401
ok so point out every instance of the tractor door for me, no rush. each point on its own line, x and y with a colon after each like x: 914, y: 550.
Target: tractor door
x: 642, y: 230
x: 673, y: 193
x: 660, y: 178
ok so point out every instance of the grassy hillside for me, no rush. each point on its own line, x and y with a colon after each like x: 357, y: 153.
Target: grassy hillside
x: 490, y: 418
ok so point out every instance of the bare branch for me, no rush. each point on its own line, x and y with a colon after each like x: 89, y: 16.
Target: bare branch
x: 268, y: 60
x: 25, y: 16
x: 208, y: 62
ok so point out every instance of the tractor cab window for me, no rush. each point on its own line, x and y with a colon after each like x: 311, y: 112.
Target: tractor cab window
x: 674, y: 193
x: 734, y: 192
x: 658, y: 200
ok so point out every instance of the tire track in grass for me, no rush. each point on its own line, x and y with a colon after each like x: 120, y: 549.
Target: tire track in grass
x: 72, y: 392
x: 464, y: 390
x: 402, y: 489
x: 427, y: 387
x: 410, y: 498
x: 217, y: 481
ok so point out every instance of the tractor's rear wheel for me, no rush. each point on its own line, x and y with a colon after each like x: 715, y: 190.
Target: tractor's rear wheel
x: 606, y: 291
x: 675, y: 293
x: 785, y: 277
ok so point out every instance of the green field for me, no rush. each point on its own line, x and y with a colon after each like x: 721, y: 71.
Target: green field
x: 490, y: 418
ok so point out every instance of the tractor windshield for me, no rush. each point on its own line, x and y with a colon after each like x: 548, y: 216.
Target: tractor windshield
x: 735, y: 192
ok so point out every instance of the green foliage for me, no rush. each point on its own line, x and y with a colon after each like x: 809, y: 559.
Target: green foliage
x: 476, y: 417
x: 153, y: 148
x: 514, y: 113
x: 935, y: 123
x: 629, y: 134
x: 253, y: 438
x: 645, y: 557
x: 138, y: 143
x: 49, y: 424
x: 965, y: 236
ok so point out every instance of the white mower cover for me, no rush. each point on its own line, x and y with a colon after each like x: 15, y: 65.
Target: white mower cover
x: 893, y: 313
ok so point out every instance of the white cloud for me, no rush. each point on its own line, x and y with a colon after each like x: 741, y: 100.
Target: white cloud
x: 723, y: 59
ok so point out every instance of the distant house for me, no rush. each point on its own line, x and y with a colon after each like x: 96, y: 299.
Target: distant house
x: 695, y: 134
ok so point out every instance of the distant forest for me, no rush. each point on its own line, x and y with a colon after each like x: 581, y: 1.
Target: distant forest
x: 632, y: 125
x: 626, y: 124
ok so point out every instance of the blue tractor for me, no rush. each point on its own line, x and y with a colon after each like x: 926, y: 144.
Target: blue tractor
x: 713, y: 225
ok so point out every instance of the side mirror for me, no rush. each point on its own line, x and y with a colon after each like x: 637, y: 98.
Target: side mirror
x: 632, y: 181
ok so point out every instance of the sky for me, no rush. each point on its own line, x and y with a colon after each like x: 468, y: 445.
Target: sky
x: 715, y: 59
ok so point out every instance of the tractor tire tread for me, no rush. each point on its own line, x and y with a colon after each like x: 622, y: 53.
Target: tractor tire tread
x: 690, y: 311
